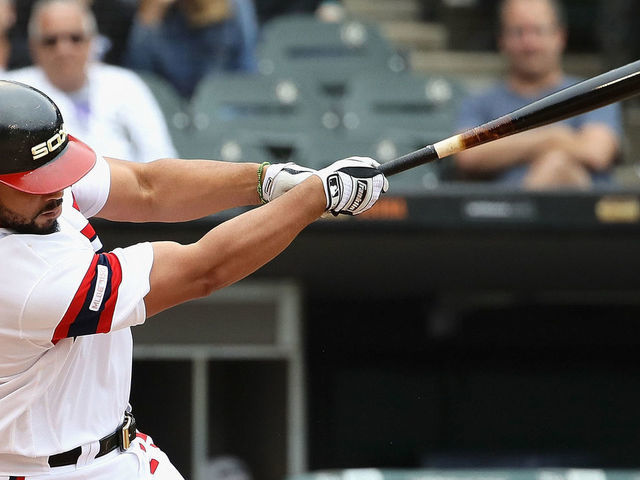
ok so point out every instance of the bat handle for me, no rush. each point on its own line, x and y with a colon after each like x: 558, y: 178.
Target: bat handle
x: 410, y: 160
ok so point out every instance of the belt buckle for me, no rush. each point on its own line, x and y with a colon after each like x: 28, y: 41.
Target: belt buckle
x: 124, y: 433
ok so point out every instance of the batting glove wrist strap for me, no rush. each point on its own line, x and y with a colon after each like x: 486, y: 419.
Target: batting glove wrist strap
x: 260, y: 174
x: 352, y: 185
x: 282, y: 177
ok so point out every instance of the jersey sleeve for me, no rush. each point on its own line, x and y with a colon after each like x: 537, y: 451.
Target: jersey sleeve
x: 97, y: 293
x: 92, y: 190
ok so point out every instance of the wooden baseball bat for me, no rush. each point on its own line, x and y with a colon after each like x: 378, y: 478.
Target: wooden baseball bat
x: 596, y: 92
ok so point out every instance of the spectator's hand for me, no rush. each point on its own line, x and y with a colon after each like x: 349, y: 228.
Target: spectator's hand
x: 152, y: 12
x: 282, y: 177
x: 352, y: 185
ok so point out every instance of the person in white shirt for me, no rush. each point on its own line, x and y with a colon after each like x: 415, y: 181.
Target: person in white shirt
x: 107, y: 106
x: 67, y: 306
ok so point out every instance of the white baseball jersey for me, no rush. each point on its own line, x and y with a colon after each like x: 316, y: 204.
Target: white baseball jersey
x: 66, y: 309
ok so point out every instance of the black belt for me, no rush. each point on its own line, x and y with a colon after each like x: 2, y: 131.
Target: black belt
x: 121, y: 438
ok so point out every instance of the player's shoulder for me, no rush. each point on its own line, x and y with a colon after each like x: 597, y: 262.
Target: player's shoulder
x: 31, y: 258
x: 33, y: 252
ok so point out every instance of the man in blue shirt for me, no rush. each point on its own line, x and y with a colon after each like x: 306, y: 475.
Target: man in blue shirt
x: 578, y: 152
x: 184, y: 40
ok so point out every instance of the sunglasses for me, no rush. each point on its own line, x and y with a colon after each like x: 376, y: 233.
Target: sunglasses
x: 52, y: 40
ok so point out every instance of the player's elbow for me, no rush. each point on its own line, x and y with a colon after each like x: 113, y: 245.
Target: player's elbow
x: 206, y: 282
x: 214, y: 277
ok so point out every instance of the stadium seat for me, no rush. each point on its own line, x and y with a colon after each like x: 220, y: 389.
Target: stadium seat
x: 325, y: 53
x: 414, y: 104
x: 260, y: 147
x: 252, y: 103
x: 176, y: 110
x: 238, y: 149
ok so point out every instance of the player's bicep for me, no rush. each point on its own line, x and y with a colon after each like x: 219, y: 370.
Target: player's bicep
x: 126, y: 195
x: 176, y: 277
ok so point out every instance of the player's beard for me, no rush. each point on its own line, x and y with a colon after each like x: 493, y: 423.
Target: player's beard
x: 19, y: 224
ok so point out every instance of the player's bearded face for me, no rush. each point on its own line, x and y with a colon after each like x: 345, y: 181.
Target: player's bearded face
x: 42, y: 223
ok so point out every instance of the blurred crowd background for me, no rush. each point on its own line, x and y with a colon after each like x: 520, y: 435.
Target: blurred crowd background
x: 314, y: 80
x: 474, y: 347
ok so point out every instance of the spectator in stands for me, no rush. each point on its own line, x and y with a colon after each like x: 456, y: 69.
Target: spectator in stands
x: 107, y: 106
x: 113, y: 17
x: 184, y: 40
x: 579, y: 152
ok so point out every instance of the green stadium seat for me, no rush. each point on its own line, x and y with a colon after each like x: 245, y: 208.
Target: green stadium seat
x: 328, y: 54
x: 252, y: 103
x: 175, y: 108
x: 419, y: 105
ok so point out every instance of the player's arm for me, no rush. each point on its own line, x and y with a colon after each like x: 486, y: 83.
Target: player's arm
x: 239, y: 246
x: 172, y: 190
x: 232, y: 250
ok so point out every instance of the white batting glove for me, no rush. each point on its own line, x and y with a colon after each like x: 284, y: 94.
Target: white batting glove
x: 352, y: 185
x: 282, y: 177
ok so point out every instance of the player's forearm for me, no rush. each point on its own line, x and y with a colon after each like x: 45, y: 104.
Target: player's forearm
x: 232, y: 250
x: 243, y: 244
x: 172, y: 190
x: 202, y: 187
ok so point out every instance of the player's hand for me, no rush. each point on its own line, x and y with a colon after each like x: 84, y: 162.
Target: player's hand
x: 282, y: 177
x: 352, y: 185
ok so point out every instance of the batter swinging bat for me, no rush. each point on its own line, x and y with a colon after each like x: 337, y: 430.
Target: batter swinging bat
x: 582, y: 97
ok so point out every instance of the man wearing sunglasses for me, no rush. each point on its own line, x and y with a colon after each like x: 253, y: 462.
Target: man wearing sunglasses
x: 107, y: 106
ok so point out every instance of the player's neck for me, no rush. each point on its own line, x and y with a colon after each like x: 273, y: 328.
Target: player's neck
x: 532, y: 85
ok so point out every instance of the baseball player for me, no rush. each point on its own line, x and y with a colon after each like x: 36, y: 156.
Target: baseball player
x: 66, y: 306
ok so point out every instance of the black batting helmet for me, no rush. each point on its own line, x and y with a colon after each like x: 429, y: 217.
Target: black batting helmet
x: 36, y: 153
